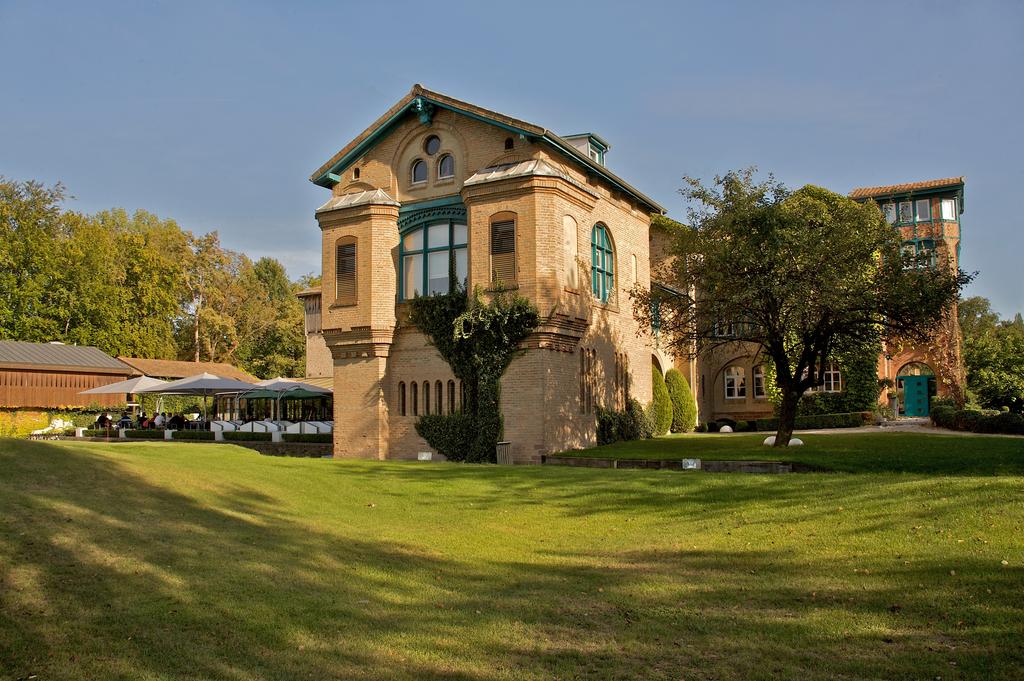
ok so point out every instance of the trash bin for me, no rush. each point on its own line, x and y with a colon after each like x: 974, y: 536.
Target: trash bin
x: 504, y: 453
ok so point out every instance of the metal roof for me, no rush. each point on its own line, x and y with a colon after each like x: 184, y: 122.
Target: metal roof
x: 59, y: 355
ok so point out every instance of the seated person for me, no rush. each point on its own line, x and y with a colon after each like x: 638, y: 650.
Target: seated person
x: 103, y: 421
x: 125, y: 421
x: 160, y: 420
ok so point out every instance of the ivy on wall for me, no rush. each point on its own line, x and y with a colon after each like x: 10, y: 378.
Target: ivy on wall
x: 478, y: 338
x: 859, y: 368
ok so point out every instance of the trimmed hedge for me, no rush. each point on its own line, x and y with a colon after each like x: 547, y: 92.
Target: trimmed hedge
x: 452, y: 435
x: 192, y: 435
x: 662, y: 404
x: 308, y: 437
x: 631, y: 424
x: 100, y: 432
x: 247, y: 437
x: 684, y: 408
x: 145, y: 434
x: 818, y: 421
x: 978, y: 421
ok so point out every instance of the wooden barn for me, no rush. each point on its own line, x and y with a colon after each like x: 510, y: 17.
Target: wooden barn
x: 52, y: 375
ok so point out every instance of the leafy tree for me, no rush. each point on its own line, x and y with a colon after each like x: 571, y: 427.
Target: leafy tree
x: 796, y: 274
x: 993, y: 351
x: 684, y: 407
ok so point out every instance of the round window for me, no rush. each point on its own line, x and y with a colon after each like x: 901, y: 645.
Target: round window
x: 432, y: 144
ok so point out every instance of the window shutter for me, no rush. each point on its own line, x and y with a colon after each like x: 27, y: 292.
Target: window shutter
x: 345, y: 272
x: 503, y: 251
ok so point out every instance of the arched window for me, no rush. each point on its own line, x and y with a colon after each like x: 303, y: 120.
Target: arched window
x: 446, y: 167
x: 735, y: 383
x: 503, y: 248
x: 438, y: 397
x: 602, y: 264
x: 451, y: 397
x: 509, y: 143
x: 636, y: 269
x: 759, y: 381
x: 401, y: 398
x: 428, y: 254
x: 345, y: 271
x: 414, y: 398
x: 426, y: 397
x: 419, y: 171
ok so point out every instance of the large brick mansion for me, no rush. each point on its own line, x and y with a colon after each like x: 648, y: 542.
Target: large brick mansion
x: 439, y: 187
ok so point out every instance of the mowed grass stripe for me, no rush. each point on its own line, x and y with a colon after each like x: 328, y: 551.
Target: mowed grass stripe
x: 168, y: 560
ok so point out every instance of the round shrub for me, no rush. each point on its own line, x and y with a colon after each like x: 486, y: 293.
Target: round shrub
x: 742, y: 426
x: 702, y: 427
x: 662, y: 403
x: 684, y: 407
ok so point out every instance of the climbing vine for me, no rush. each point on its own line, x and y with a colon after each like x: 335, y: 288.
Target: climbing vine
x: 478, y: 338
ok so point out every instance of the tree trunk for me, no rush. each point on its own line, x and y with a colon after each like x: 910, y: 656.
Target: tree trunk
x: 195, y: 335
x: 787, y: 417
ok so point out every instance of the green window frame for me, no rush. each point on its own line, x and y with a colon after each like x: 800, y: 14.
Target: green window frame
x: 433, y: 252
x: 602, y: 263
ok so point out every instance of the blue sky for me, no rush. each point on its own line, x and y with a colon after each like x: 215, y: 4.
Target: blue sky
x: 215, y: 113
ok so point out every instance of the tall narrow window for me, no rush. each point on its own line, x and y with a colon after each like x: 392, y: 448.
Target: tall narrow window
x: 636, y: 269
x: 735, y: 383
x: 949, y: 209
x: 759, y: 381
x: 906, y: 211
x: 438, y: 397
x: 570, y: 248
x: 401, y: 398
x: 602, y: 268
x: 426, y: 397
x: 446, y: 167
x: 451, y: 397
x: 414, y: 398
x: 419, y: 171
x: 503, y: 251
x: 924, y: 210
x: 345, y: 271
x: 889, y: 211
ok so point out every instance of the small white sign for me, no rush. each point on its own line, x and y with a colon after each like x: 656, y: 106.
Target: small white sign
x: 691, y: 464
x: 425, y: 456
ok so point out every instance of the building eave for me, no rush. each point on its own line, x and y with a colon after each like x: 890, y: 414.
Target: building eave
x: 329, y: 174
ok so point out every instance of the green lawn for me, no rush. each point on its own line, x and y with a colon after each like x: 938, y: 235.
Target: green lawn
x: 160, y: 560
x: 856, y: 452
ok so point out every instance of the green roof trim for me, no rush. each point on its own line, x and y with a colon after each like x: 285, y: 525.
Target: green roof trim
x: 423, y: 104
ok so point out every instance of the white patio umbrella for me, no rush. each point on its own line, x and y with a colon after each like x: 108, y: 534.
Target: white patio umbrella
x: 281, y: 385
x: 201, y: 384
x: 138, y: 384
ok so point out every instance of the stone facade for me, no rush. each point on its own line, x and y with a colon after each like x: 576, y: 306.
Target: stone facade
x: 586, y: 352
x: 482, y: 168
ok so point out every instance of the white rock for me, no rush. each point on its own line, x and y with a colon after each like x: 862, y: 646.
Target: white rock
x: 796, y: 442
x: 769, y: 441
x: 725, y: 429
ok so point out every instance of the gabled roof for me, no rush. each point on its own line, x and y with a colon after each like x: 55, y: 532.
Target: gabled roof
x: 907, y: 188
x: 422, y: 102
x: 172, y: 368
x: 60, y: 356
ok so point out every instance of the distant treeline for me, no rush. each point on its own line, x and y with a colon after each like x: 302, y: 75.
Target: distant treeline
x: 137, y: 285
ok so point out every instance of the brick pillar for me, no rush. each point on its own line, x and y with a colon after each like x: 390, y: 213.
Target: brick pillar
x: 360, y: 410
